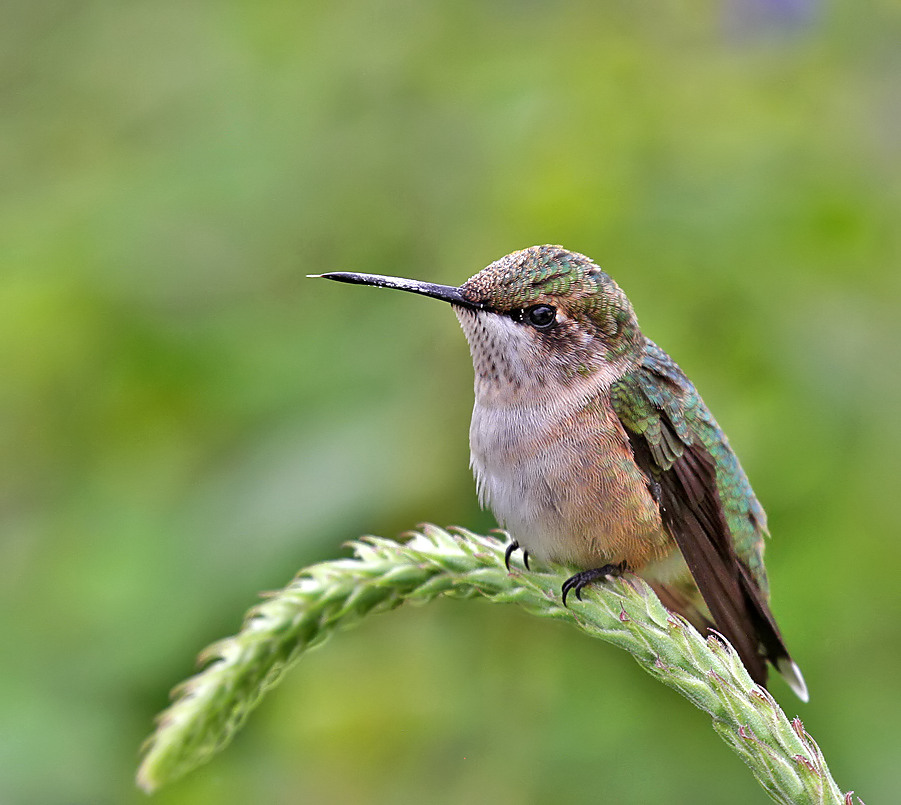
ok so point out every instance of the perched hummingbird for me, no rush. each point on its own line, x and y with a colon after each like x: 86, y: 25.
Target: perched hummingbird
x: 593, y: 448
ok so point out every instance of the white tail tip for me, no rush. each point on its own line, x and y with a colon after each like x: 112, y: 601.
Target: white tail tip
x: 793, y: 676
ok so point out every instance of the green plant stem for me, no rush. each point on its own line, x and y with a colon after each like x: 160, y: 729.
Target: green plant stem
x: 211, y: 706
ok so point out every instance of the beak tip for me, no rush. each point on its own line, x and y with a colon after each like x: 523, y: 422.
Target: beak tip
x: 341, y: 276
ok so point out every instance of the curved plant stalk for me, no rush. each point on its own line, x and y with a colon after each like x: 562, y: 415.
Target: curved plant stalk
x: 211, y: 706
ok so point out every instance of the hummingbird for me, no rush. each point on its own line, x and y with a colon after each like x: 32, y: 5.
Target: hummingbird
x: 593, y: 448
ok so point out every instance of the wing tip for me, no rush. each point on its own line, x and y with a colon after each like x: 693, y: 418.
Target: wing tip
x: 793, y: 677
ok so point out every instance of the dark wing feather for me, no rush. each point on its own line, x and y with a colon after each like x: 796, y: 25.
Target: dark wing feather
x: 676, y: 458
x: 691, y: 513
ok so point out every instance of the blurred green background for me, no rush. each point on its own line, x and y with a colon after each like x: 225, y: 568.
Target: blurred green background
x: 187, y: 420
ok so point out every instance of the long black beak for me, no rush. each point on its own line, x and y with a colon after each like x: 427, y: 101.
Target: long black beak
x: 446, y: 292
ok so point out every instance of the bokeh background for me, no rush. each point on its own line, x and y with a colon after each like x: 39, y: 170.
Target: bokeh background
x: 186, y: 420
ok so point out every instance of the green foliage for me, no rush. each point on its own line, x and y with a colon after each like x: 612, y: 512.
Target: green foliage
x: 211, y: 706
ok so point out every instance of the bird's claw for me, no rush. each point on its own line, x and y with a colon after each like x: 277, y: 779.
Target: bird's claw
x: 576, y: 582
x: 514, y: 546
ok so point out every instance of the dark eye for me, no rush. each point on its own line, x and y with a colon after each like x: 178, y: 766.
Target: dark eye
x: 542, y: 317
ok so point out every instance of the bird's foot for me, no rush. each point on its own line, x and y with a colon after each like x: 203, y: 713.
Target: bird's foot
x: 579, y: 580
x: 514, y: 546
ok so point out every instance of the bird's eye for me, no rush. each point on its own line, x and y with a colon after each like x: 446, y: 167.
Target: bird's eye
x: 541, y: 317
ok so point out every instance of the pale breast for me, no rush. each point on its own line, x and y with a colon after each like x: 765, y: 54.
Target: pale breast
x: 564, y: 484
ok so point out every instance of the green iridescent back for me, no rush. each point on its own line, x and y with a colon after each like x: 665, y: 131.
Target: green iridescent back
x: 658, y: 388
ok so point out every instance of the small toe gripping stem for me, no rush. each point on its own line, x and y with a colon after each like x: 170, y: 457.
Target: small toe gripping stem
x: 514, y: 546
x: 581, y: 579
